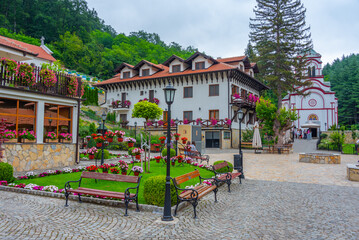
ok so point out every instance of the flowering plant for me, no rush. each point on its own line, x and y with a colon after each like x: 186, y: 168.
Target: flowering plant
x: 173, y: 123
x: 65, y: 136
x: 116, y: 103
x: 109, y: 134
x: 30, y: 135
x: 8, y: 134
x: 158, y: 158
x: 237, y: 96
x: 228, y: 121
x: 10, y: 65
x: 123, y: 165
x: 155, y: 100
x: 120, y: 134
x: 25, y: 71
x: 137, y: 169
x: 99, y: 139
x: 72, y: 86
x: 91, y: 151
x: 184, y: 139
x: 198, y: 121
x: 149, y: 123
x: 105, y: 167
x: 214, y: 121
x: 160, y: 123
x: 187, y: 148
x: 127, y: 103
x: 114, y: 170
x: 92, y: 168
x: 51, y: 135
x: 137, y: 151
x: 185, y: 121
x: 176, y: 135
x: 48, y: 77
x: 163, y: 138
x: 130, y: 140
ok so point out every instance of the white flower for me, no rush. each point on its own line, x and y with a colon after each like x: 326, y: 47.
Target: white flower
x: 67, y: 170
x: 81, y: 167
x: 12, y: 184
x: 30, y: 186
x: 30, y: 174
x: 51, y: 171
x: 50, y: 188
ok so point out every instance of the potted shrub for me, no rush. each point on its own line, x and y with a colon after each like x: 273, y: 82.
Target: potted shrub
x: 27, y: 136
x: 137, y: 170
x: 119, y: 135
x: 105, y: 167
x: 99, y: 141
x: 158, y: 159
x: 130, y: 141
x: 157, y: 147
x: 179, y: 158
x: 65, y: 137
x: 115, y: 171
x: 123, y: 166
x: 51, y: 137
x: 92, y: 168
x: 173, y: 161
x: 137, y: 152
x: 177, y: 136
x: 109, y: 135
x: 187, y: 159
x: 162, y: 139
x: 91, y: 152
x: 10, y: 135
x: 184, y: 140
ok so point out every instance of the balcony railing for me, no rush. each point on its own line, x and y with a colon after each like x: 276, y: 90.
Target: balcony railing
x: 119, y: 104
x: 221, y: 123
x: 61, y: 87
x: 244, y: 100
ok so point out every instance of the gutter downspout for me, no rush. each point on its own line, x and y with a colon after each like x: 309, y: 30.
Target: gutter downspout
x: 77, y: 157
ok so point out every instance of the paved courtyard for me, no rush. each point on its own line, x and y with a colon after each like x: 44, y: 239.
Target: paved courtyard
x: 280, y: 199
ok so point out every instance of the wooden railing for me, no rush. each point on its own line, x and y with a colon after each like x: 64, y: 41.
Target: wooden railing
x: 120, y: 105
x: 61, y: 87
x: 203, y: 123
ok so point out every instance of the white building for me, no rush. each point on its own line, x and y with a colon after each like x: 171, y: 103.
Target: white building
x: 318, y: 110
x: 205, y: 89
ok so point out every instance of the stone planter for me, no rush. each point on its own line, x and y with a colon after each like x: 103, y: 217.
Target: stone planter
x: 323, y: 158
x: 353, y: 172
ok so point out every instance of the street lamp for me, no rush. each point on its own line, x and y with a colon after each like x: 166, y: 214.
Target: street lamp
x: 238, y: 159
x: 135, y: 129
x: 103, y: 116
x: 169, y: 97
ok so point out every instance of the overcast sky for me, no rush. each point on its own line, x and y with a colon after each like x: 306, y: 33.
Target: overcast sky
x: 221, y: 28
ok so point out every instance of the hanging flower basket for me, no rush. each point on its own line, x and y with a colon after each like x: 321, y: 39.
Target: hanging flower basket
x: 130, y: 144
x: 124, y: 173
x: 173, y: 163
x: 110, y: 140
x: 184, y: 140
x: 120, y: 139
x: 98, y: 145
x: 136, y: 173
x: 138, y: 157
x: 91, y: 156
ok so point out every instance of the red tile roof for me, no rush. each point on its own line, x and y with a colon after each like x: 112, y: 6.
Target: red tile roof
x: 231, y: 59
x: 26, y: 47
x: 165, y: 73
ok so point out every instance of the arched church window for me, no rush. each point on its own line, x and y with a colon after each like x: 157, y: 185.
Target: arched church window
x: 313, y: 117
x: 313, y: 71
x: 309, y: 72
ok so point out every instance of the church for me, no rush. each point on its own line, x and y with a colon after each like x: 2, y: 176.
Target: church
x: 318, y: 110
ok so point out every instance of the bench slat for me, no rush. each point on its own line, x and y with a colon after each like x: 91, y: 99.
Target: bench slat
x: 102, y: 193
x: 234, y: 175
x: 110, y: 177
x: 197, y: 188
x: 220, y: 165
x: 186, y: 177
x: 202, y: 191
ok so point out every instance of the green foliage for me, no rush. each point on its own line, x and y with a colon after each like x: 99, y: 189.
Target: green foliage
x: 154, y: 191
x: 111, y: 117
x: 91, y: 114
x: 91, y: 96
x: 129, y: 152
x: 106, y: 154
x: 84, y: 131
x: 323, y: 136
x: 247, y: 135
x: 92, y: 128
x: 146, y: 110
x: 6, y: 172
x: 336, y: 138
x: 224, y: 169
x: 172, y: 152
x: 343, y: 75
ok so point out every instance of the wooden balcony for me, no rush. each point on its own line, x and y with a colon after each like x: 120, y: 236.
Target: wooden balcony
x: 221, y: 123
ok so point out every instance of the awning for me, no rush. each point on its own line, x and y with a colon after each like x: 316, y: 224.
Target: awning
x: 311, y: 124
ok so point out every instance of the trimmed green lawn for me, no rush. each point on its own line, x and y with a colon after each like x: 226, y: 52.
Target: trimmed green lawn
x: 156, y: 169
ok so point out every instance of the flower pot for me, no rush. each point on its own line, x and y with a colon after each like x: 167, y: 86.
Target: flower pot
x: 188, y: 161
x: 162, y: 142
x: 124, y: 173
x: 11, y: 140
x: 85, y: 145
x: 105, y: 171
x: 130, y: 144
x: 173, y: 163
x: 136, y: 173
x: 179, y: 161
x: 98, y: 145
x: 157, y: 149
x: 120, y: 139
x: 48, y: 140
x: 65, y: 141
x: 88, y: 139
x: 138, y: 157
x: 110, y: 140
x: 157, y: 160
x: 91, y: 156
x: 184, y: 141
x: 177, y: 138
x: 25, y: 140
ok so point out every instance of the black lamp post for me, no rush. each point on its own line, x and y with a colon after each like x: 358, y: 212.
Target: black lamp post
x: 169, y: 97
x: 135, y: 129
x: 238, y: 159
x: 103, y: 116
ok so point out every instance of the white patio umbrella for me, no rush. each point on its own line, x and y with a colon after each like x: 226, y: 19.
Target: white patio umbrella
x: 257, y: 141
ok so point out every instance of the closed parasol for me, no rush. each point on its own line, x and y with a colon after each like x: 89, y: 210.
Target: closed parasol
x: 257, y: 141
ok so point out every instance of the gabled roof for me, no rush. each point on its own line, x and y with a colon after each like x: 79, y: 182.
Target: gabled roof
x: 254, y: 66
x: 122, y: 66
x: 26, y: 48
x: 232, y: 59
x: 173, y: 57
x: 139, y: 65
x: 196, y: 54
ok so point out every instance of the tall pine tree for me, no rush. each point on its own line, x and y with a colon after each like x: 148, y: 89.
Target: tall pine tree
x: 280, y: 37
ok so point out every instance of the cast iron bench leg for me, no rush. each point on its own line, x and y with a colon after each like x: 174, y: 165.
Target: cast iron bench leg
x: 80, y: 201
x: 126, y: 203
x: 215, y: 194
x: 138, y: 209
x: 176, y: 207
x: 195, y: 203
x: 67, y: 198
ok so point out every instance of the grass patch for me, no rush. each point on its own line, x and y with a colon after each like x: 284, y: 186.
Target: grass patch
x: 156, y: 169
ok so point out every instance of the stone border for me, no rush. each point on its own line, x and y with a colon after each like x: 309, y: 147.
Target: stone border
x: 106, y: 202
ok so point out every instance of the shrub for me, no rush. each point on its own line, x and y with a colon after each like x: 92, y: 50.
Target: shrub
x: 323, y: 135
x: 106, y: 154
x: 224, y: 169
x: 154, y: 191
x: 172, y: 152
x: 247, y: 135
x: 6, y: 172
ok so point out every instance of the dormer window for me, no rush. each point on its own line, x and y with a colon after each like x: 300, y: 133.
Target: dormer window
x: 176, y: 68
x: 145, y: 72
x: 241, y: 67
x: 126, y: 75
x: 199, y: 65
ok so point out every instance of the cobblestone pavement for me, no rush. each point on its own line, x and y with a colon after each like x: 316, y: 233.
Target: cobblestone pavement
x: 253, y: 210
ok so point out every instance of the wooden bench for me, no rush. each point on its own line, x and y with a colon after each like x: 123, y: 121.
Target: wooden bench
x: 227, y: 176
x: 127, y: 196
x: 246, y: 144
x: 192, y: 195
x: 194, y: 155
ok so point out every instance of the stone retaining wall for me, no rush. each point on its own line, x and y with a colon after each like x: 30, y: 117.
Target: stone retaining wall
x: 320, y: 158
x: 27, y: 157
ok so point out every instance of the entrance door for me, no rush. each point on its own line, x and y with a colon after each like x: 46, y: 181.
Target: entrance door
x: 314, y: 132
x: 212, y: 139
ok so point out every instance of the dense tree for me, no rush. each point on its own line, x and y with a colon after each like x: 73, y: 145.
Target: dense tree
x: 280, y: 37
x: 343, y: 75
